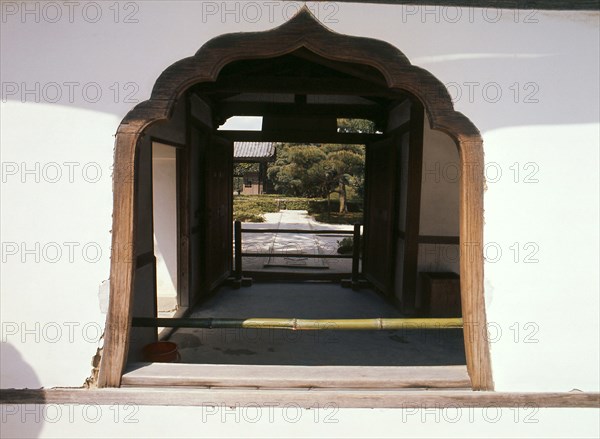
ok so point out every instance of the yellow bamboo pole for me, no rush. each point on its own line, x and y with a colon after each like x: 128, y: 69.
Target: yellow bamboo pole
x: 304, y: 324
x: 352, y: 324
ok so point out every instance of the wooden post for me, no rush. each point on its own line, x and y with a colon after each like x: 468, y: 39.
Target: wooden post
x: 238, y: 250
x: 413, y: 208
x: 355, y: 256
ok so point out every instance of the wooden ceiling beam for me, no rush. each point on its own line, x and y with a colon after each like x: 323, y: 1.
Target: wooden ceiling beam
x: 365, y: 73
x: 295, y: 85
x: 299, y: 137
x: 228, y: 109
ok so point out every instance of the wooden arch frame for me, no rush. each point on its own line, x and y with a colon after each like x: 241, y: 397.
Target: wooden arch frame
x: 302, y: 31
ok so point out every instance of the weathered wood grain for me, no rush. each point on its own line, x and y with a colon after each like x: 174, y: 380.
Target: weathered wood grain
x: 437, y: 399
x: 347, y: 377
x: 413, y: 208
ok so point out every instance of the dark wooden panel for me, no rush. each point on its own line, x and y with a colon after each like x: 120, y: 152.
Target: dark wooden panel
x: 145, y: 259
x: 441, y: 294
x: 196, y: 158
x: 380, y: 214
x: 433, y: 239
x: 296, y: 85
x: 298, y: 137
x: 228, y: 109
x: 413, y: 208
x: 218, y: 215
x: 183, y: 220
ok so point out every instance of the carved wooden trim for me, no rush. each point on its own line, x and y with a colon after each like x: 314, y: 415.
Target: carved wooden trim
x: 302, y: 31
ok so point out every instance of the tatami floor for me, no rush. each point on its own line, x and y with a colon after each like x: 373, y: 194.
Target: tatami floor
x: 311, y: 300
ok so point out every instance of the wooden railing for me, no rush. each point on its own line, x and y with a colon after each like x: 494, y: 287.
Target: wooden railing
x: 355, y: 256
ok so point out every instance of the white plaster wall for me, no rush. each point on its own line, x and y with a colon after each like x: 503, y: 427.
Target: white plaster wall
x: 164, y: 190
x: 439, y: 204
x: 553, y: 303
x: 439, y: 184
x: 101, y: 421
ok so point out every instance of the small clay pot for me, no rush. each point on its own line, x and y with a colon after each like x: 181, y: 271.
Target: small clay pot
x: 161, y: 352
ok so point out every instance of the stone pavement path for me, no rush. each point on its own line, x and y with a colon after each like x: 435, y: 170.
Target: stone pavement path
x: 280, y: 243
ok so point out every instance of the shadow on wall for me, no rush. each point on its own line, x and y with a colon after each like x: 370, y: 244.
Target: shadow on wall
x: 19, y: 420
x: 497, y: 85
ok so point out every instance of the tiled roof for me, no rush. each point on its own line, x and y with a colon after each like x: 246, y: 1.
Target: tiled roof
x: 253, y: 150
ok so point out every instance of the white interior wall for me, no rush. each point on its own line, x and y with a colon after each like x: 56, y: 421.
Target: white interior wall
x: 545, y: 310
x: 439, y: 184
x: 164, y: 205
x: 439, y: 204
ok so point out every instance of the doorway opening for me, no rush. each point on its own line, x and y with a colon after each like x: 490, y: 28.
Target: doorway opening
x: 296, y: 79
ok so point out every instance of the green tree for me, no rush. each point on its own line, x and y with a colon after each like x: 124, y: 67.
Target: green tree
x: 347, y: 163
x: 356, y: 126
x: 298, y: 170
x: 318, y: 170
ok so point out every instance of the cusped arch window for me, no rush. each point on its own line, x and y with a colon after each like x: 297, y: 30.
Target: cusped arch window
x: 249, y: 63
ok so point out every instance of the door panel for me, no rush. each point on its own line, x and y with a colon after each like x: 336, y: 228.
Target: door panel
x: 199, y: 144
x: 218, y: 196
x: 380, y: 214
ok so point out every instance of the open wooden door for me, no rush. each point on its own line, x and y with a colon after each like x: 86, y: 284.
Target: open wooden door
x: 218, y: 212
x: 381, y: 174
x: 211, y: 211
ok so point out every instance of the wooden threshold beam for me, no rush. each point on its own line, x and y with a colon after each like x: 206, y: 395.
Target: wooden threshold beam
x: 303, y: 398
x: 275, y: 376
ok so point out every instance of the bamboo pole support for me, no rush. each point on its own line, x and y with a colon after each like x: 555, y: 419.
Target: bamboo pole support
x: 377, y: 324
